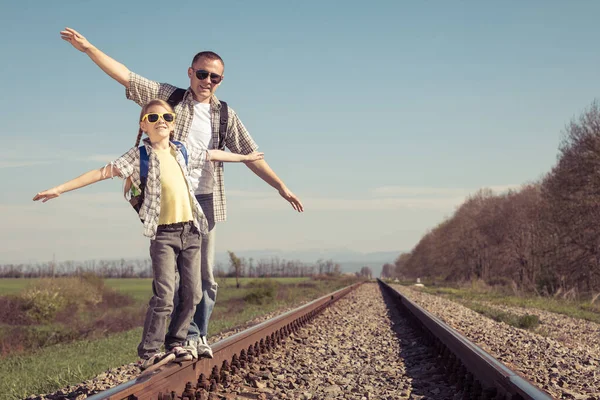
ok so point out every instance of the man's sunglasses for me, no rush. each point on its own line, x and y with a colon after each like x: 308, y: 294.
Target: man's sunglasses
x: 153, y: 117
x: 214, y: 78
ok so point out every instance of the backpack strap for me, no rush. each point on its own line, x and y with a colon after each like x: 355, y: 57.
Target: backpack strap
x: 183, y: 150
x: 223, y: 124
x: 144, y: 161
x: 176, y: 97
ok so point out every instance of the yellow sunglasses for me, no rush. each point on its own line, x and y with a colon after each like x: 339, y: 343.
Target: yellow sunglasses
x: 153, y: 117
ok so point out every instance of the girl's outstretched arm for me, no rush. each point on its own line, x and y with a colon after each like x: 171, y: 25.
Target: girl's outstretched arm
x: 88, y: 178
x: 225, y: 156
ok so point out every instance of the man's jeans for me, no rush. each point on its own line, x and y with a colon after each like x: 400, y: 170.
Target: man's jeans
x: 199, y: 324
x: 174, y: 251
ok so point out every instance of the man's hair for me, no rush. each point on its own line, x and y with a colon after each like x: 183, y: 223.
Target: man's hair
x: 210, y: 55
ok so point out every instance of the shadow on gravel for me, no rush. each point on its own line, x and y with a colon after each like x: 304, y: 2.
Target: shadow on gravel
x: 429, y: 380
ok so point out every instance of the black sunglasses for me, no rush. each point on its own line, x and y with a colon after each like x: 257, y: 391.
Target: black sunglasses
x: 214, y: 78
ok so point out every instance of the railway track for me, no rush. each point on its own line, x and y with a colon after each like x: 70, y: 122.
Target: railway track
x: 472, y: 369
x: 468, y: 372
x: 181, y: 381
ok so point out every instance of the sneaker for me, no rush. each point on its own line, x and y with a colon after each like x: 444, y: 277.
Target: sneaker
x: 191, y: 347
x: 156, y: 360
x: 181, y: 354
x: 204, y: 349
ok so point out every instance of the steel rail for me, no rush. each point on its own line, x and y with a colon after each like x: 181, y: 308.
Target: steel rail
x: 184, y: 378
x: 476, y: 370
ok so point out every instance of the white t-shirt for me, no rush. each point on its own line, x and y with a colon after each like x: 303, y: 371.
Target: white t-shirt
x: 201, y: 136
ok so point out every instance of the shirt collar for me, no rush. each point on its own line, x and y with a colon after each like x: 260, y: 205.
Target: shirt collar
x: 148, y: 145
x: 214, y: 102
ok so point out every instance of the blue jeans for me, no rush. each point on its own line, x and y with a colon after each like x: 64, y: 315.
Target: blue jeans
x: 199, y: 323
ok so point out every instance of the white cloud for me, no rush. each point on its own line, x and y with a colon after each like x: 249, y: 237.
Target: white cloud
x: 274, y: 202
x: 432, y: 191
x: 102, y: 158
x: 21, y: 163
x: 86, y: 225
x: 244, y: 193
x: 30, y: 161
x: 382, y: 198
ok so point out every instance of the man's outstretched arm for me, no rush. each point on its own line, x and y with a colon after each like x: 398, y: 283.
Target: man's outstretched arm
x: 264, y: 172
x: 112, y: 67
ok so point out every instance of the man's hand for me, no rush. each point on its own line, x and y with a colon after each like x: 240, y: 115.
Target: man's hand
x: 291, y: 197
x: 111, y: 67
x: 76, y: 39
x: 264, y: 172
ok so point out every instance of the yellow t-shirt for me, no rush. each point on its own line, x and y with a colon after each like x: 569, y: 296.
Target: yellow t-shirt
x: 175, y: 202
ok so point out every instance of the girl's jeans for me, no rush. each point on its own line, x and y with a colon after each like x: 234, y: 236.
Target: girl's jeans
x: 175, y: 250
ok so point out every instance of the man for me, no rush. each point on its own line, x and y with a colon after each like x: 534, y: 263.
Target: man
x: 198, y: 120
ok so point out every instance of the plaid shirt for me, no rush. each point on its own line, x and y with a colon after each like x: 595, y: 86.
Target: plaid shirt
x: 129, y: 166
x: 237, y: 140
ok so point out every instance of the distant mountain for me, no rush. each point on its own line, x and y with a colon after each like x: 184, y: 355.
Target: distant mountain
x: 350, y: 260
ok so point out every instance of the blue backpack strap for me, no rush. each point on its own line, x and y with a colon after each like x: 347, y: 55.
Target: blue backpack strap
x: 183, y: 150
x: 144, y: 161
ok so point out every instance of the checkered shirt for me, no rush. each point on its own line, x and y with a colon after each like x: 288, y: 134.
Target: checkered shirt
x: 237, y: 140
x: 129, y: 166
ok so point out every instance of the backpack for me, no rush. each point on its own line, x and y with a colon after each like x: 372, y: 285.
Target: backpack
x: 137, y: 195
x: 177, y: 97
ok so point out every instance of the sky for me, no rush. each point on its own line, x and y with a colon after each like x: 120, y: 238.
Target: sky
x: 381, y: 116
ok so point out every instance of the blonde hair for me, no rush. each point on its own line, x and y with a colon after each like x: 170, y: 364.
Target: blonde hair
x: 154, y: 102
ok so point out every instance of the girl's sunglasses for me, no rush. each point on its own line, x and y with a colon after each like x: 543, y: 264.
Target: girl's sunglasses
x: 153, y: 117
x: 214, y: 78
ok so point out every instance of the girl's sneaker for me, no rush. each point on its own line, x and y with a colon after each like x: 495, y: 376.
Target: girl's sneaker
x: 156, y: 360
x: 181, y: 354
x: 190, y: 346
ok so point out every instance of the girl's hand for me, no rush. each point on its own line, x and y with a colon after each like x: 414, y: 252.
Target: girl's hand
x: 254, y: 156
x: 47, y: 195
x: 76, y: 39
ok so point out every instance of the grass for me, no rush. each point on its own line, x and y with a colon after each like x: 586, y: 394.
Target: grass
x: 528, y: 321
x: 54, y: 367
x: 139, y: 288
x: 469, y: 298
x: 57, y: 366
x: 11, y: 286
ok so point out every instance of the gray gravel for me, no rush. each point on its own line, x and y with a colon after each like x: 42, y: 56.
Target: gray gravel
x: 353, y: 350
x: 358, y: 350
x: 566, y: 362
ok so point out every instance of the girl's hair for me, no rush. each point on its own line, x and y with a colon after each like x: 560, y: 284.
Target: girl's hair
x: 155, y: 102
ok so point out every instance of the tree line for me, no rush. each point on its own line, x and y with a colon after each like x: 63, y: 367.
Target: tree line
x: 142, y: 268
x: 542, y: 238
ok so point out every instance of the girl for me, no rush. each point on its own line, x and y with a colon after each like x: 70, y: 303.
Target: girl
x: 172, y: 219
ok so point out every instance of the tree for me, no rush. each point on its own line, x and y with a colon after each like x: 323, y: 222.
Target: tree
x: 235, y: 264
x: 387, y: 271
x: 366, y: 272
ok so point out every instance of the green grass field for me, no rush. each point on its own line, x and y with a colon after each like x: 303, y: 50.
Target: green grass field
x: 14, y: 286
x: 139, y: 289
x: 54, y: 367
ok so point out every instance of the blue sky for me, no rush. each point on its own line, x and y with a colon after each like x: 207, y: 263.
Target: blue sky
x: 380, y: 116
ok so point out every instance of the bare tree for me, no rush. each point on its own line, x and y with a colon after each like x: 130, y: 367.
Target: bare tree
x: 235, y: 264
